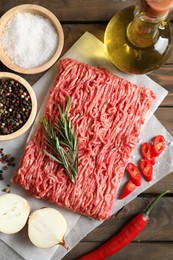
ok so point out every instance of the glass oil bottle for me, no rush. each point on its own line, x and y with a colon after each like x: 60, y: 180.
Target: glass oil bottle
x: 138, y: 39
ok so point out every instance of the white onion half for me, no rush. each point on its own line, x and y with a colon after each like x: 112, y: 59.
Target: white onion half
x: 47, y: 228
x: 14, y: 212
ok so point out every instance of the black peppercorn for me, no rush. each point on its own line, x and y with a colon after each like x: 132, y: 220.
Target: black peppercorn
x: 7, y: 160
x: 15, y: 106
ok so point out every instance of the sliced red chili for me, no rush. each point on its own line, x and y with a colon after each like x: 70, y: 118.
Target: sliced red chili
x: 127, y: 190
x: 147, y: 152
x: 134, y: 173
x: 158, y: 145
x: 146, y: 168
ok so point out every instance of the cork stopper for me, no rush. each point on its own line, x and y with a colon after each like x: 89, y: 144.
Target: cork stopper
x: 158, y: 8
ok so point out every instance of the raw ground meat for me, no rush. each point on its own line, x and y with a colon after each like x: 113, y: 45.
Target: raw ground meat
x: 107, y: 112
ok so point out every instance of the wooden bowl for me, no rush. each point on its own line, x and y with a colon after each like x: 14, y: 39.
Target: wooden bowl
x: 25, y: 127
x: 37, y: 10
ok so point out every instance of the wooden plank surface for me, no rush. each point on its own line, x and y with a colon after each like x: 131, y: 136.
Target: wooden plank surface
x: 68, y: 10
x: 159, y: 228
x: 133, y: 251
x: 165, y: 115
x: 156, y: 241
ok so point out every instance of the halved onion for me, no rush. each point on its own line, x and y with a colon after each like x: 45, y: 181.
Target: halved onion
x: 47, y: 228
x: 14, y: 212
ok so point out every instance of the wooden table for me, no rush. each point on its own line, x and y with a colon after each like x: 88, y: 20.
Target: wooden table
x: 156, y: 241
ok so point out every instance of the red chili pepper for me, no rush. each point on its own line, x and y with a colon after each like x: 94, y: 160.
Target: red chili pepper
x: 147, y: 152
x: 127, y: 190
x: 158, y: 145
x: 134, y: 173
x: 125, y: 236
x: 146, y: 168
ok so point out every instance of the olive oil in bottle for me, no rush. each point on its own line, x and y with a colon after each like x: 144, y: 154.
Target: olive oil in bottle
x: 138, y: 39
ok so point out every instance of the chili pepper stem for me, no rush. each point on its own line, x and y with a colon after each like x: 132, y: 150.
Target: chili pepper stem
x: 153, y: 203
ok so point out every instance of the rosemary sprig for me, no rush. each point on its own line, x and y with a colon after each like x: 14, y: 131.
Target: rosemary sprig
x: 62, y: 140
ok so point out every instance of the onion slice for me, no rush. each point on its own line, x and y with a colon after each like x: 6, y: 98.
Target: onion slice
x: 14, y: 212
x: 47, y: 228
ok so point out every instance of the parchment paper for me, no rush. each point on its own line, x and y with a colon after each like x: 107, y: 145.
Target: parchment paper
x: 90, y: 50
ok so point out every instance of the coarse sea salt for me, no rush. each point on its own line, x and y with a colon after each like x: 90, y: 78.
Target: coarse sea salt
x: 29, y: 40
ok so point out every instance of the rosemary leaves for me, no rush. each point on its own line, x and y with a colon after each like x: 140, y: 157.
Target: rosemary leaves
x: 62, y: 140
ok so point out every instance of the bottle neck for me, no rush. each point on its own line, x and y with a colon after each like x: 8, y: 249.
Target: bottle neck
x: 143, y: 31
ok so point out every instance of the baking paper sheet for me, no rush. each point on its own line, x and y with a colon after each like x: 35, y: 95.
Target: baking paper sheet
x: 90, y: 50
